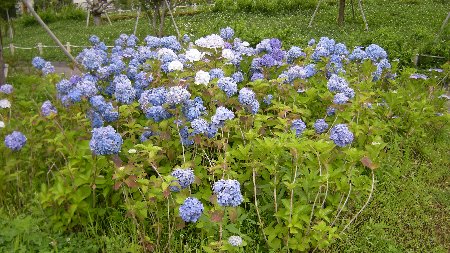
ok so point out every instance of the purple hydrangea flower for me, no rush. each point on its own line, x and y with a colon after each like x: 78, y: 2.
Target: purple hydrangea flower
x: 48, y: 68
x: 418, y: 76
x: 228, y: 192
x: 257, y: 76
x: 153, y: 97
x: 47, y: 108
x: 15, y: 141
x: 105, y: 141
x: 191, y: 209
x: 38, y: 62
x: 341, y: 136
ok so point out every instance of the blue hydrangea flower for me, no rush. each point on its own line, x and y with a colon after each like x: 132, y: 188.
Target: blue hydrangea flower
x: 381, y: 66
x: 106, y: 109
x: 157, y: 113
x: 87, y: 88
x: 152, y: 42
x: 124, y: 91
x: 375, y: 52
x: 6, y: 88
x: 191, y: 209
x: 299, y: 72
x: 340, y: 98
x: 324, y: 48
x: 48, y: 68
x: 299, y: 126
x: 320, y: 126
x: 235, y: 240
x: 340, y: 49
x: 200, y: 126
x: 15, y: 141
x: 226, y: 33
x: 331, y: 111
x: 38, y: 63
x: 186, y: 139
x: 294, y: 53
x: 212, y: 130
x: 193, y: 109
x: 268, y: 99
x: 145, y: 135
x: 246, y: 96
x: 94, y: 39
x: 64, y: 86
x: 228, y: 85
x: 177, y: 95
x: 337, y: 84
x: 257, y: 76
x: 311, y: 42
x: 92, y: 59
x: 216, y: 73
x: 185, y: 177
x: 186, y: 38
x: 75, y: 95
x: 267, y: 61
x: 153, y: 97
x: 171, y: 42
x: 349, y: 92
x: 358, y: 54
x: 105, y: 141
x: 96, y: 119
x: 132, y: 40
x: 341, y: 136
x: 238, y: 77
x: 222, y: 114
x: 228, y: 192
x: 47, y: 108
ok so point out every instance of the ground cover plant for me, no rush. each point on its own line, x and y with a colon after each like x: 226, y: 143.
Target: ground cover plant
x: 216, y: 144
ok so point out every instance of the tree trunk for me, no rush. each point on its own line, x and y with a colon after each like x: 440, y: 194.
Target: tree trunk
x: 163, y: 18
x: 2, y: 63
x: 97, y: 18
x: 341, y: 12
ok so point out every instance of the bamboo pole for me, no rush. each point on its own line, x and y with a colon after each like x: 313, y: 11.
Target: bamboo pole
x: 50, y: 33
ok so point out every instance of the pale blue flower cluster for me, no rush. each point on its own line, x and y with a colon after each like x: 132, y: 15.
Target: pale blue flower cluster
x: 193, y: 108
x: 235, y: 240
x: 226, y: 33
x: 15, y: 141
x: 294, y: 53
x: 6, y: 88
x: 191, y: 209
x: 177, y: 95
x: 228, y: 192
x: 124, y: 91
x: 341, y: 135
x: 216, y: 73
x: 200, y: 126
x: 320, y: 126
x: 248, y: 99
x: 185, y: 177
x: 298, y: 126
x: 105, y: 141
x: 228, y: 85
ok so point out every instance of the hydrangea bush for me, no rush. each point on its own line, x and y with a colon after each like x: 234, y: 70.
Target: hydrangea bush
x: 212, y: 135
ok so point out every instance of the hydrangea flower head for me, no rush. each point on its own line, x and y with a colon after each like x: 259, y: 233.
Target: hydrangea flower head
x: 157, y: 113
x: 340, y: 98
x: 341, y: 135
x: 105, y: 141
x: 375, y: 52
x: 228, y: 192
x: 185, y: 177
x: 212, y: 41
x: 6, y: 88
x: 337, y: 84
x: 216, y: 73
x: 320, y: 126
x: 228, y: 85
x: 238, y: 77
x: 47, y: 108
x: 193, y: 108
x: 194, y: 55
x: 191, y: 209
x: 38, y: 62
x: 200, y: 126
x: 145, y: 135
x: 175, y: 66
x: 48, y: 68
x: 358, y: 54
x: 177, y: 95
x: 15, y: 141
x: 222, y: 114
x: 299, y: 126
x: 94, y: 39
x: 226, y: 33
x: 294, y: 53
x: 124, y: 92
x: 202, y: 77
x: 235, y: 240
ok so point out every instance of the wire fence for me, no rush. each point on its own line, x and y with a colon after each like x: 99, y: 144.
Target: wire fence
x: 40, y: 47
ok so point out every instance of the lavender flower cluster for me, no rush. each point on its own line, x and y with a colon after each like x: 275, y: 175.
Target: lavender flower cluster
x: 228, y: 192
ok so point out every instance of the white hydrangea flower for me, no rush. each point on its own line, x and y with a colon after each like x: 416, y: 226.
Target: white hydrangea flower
x: 175, y: 65
x: 194, y: 55
x: 245, y: 44
x: 235, y: 240
x: 228, y: 54
x: 202, y: 77
x: 164, y: 51
x: 4, y: 103
x: 212, y: 41
x: 2, y: 124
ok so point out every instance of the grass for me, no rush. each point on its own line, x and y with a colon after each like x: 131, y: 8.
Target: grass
x: 403, y: 27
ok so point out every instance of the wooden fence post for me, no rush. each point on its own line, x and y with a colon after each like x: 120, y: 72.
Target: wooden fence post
x: 68, y: 47
x: 11, y: 48
x: 40, y: 48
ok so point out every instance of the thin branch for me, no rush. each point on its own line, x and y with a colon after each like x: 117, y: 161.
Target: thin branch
x: 256, y: 205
